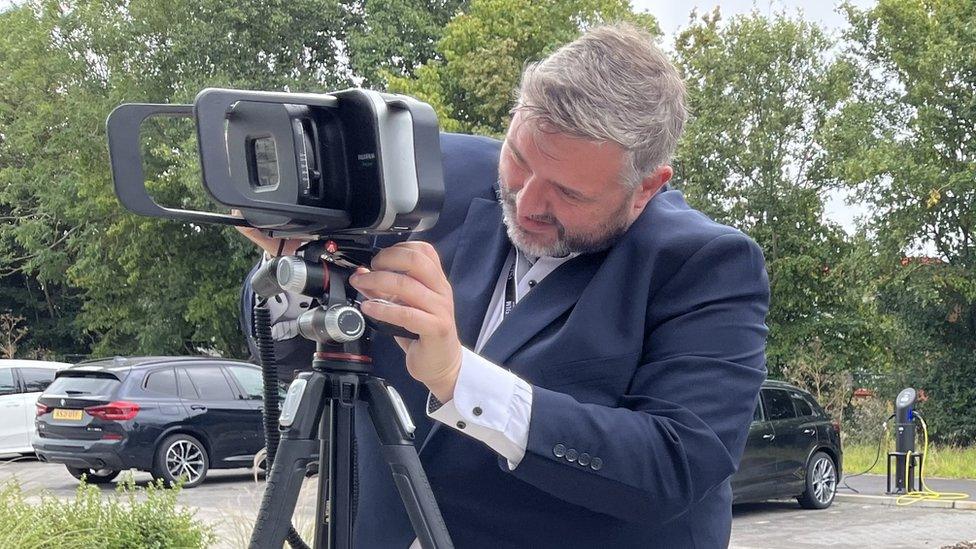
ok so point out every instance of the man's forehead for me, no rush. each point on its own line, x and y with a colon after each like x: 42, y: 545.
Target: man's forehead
x: 529, y: 130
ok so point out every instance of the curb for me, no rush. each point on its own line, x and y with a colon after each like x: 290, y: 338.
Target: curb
x: 891, y: 501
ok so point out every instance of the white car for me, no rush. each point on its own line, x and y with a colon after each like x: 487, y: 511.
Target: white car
x: 21, y: 382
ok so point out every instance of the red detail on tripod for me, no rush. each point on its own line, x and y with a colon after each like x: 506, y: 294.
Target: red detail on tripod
x: 348, y: 357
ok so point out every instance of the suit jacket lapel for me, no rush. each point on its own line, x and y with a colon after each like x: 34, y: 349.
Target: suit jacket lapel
x: 481, y: 251
x: 552, y: 297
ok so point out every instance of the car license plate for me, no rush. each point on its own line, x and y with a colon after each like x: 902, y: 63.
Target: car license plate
x: 72, y: 415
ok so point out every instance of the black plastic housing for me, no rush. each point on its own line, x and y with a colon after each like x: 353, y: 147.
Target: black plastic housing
x: 354, y: 161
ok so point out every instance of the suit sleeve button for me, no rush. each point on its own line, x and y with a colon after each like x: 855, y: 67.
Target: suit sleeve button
x: 559, y: 450
x: 584, y: 459
x: 571, y: 455
x: 596, y: 464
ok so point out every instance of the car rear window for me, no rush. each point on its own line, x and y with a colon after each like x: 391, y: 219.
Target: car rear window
x: 817, y: 408
x: 778, y: 404
x: 83, y: 385
x: 250, y: 379
x: 36, y: 379
x: 7, y: 385
x: 803, y: 408
x: 211, y: 383
x: 162, y: 382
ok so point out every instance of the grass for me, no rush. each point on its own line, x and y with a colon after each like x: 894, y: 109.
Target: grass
x: 236, y: 525
x: 131, y: 518
x: 941, y: 461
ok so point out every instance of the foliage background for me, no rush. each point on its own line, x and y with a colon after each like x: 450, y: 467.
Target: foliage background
x: 783, y: 113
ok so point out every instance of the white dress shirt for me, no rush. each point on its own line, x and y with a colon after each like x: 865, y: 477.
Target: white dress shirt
x: 490, y: 403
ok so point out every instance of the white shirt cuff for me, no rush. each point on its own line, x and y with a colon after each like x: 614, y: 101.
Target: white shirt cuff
x: 490, y: 404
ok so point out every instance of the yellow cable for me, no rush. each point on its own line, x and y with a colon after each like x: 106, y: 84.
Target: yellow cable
x: 925, y: 493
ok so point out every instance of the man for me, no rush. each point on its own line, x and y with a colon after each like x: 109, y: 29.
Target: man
x: 591, y: 348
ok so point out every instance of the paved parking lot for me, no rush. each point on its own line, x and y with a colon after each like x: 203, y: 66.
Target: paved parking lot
x: 229, y: 500
x: 849, y: 525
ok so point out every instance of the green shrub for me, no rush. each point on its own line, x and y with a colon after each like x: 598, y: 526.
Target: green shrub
x: 132, y: 518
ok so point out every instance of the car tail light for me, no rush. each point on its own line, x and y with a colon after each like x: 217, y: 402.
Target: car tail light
x: 42, y: 409
x: 836, y: 425
x: 119, y: 410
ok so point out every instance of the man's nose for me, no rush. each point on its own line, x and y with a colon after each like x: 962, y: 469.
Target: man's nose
x: 531, y: 199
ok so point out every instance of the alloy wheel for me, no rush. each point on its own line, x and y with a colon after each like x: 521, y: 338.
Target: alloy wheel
x: 824, y: 480
x: 185, y: 459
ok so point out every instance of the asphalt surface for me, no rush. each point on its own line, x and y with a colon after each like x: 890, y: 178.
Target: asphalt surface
x: 229, y: 501
x: 875, y: 485
x: 849, y: 525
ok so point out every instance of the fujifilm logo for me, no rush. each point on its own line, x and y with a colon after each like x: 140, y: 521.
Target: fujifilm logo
x: 367, y: 156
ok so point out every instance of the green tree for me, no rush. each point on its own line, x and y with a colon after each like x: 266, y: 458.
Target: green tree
x: 905, y: 144
x: 482, y: 53
x: 32, y: 239
x: 394, y: 37
x: 760, y: 90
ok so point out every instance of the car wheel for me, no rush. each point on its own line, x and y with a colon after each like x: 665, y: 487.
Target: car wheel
x: 821, y: 482
x: 93, y: 476
x: 181, y: 457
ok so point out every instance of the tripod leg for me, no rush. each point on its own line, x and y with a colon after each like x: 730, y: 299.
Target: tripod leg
x: 395, y: 430
x: 418, y: 500
x: 281, y: 493
x: 340, y: 479
x: 299, y: 445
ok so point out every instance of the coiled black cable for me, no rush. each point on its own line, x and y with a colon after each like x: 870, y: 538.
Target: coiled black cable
x: 269, y: 370
x: 272, y: 405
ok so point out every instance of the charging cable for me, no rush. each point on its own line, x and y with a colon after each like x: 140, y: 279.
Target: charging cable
x: 877, y: 455
x: 925, y: 493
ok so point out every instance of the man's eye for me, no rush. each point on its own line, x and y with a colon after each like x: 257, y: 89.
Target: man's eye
x: 519, y: 167
x: 517, y: 160
x: 569, y: 194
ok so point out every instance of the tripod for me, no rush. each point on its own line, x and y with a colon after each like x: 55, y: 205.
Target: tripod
x: 318, y: 417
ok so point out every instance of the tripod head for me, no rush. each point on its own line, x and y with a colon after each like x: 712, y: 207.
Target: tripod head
x: 320, y: 270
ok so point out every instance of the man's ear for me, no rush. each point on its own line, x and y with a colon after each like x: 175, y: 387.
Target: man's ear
x: 650, y: 185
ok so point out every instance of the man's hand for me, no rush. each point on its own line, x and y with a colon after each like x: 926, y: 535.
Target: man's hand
x: 408, y: 288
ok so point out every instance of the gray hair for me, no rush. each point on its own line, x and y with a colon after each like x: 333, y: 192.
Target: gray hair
x: 611, y: 84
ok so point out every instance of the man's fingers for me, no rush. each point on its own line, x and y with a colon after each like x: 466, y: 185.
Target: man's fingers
x: 415, y: 262
x: 362, y: 292
x: 426, y: 248
x: 415, y: 320
x: 400, y: 288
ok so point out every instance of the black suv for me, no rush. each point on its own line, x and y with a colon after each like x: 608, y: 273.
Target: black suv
x: 171, y: 416
x: 793, y: 450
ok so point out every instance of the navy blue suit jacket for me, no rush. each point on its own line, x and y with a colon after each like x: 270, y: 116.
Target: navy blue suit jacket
x: 647, y: 357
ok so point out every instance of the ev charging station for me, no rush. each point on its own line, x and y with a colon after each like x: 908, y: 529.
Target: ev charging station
x: 907, y: 462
